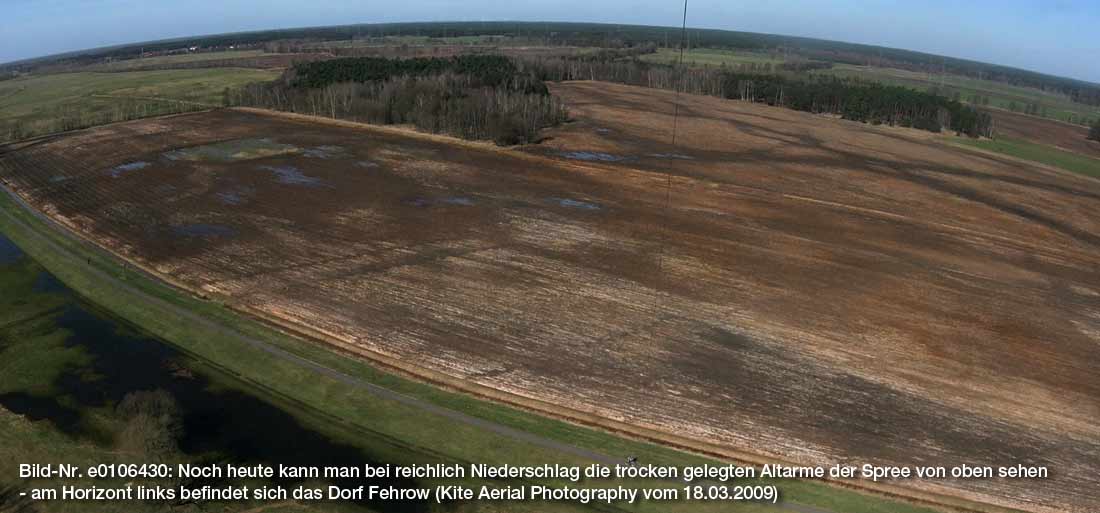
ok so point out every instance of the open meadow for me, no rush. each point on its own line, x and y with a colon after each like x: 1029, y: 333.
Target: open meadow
x: 40, y: 104
x: 869, y: 294
x: 713, y: 57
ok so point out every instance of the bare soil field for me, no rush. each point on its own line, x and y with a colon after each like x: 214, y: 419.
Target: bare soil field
x: 808, y: 289
x: 1045, y: 131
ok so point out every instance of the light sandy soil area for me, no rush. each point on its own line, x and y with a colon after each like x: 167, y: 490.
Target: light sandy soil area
x: 808, y: 288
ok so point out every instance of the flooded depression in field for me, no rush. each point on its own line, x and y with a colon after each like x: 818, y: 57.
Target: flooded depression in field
x: 98, y: 362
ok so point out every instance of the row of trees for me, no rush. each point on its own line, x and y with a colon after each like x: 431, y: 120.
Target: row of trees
x: 1094, y: 132
x: 83, y: 114
x: 472, y: 97
x: 852, y: 99
x: 494, y: 71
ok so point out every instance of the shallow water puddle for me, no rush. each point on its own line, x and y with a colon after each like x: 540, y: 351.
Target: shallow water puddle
x: 678, y: 156
x: 130, y: 166
x: 235, y: 196
x: 422, y: 202
x: 572, y: 203
x: 203, y: 230
x: 323, y: 152
x: 591, y: 156
x: 291, y: 175
x: 230, y: 151
x: 367, y: 164
x: 458, y: 200
x: 9, y: 252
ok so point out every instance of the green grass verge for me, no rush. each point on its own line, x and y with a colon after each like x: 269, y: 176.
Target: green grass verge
x: 339, y: 405
x: 1041, y: 153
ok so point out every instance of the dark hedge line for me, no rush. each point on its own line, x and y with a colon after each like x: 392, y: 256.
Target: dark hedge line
x: 494, y: 71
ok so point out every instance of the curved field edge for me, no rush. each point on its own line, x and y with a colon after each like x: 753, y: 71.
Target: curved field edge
x: 1037, y: 152
x: 77, y: 268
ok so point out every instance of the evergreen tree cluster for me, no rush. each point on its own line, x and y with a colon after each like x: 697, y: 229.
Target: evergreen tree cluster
x: 480, y: 97
x: 494, y: 71
x: 861, y: 101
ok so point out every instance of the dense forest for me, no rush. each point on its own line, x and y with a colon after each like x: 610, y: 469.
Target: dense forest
x: 609, y: 36
x: 483, y: 71
x: 474, y: 96
x: 852, y: 99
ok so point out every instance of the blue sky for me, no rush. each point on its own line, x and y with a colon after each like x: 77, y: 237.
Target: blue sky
x: 1061, y: 37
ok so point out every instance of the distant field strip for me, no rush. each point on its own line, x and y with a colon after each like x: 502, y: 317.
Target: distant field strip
x: 1040, y: 153
x: 51, y: 103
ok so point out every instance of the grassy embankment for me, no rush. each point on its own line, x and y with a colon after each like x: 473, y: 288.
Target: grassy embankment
x: 37, y: 104
x: 335, y: 406
x: 1035, y: 152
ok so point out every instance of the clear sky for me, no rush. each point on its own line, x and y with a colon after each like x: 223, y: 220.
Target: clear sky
x: 1060, y: 37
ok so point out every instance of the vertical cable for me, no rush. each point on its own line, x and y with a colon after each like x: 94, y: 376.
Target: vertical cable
x: 668, y: 171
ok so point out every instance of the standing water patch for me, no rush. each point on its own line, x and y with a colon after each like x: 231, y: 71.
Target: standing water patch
x: 671, y: 156
x: 592, y: 156
x: 203, y: 230
x: 323, y: 152
x: 230, y: 151
x: 9, y: 252
x: 234, y: 196
x: 572, y: 203
x: 422, y: 202
x: 132, y: 166
x: 291, y: 175
x: 458, y: 200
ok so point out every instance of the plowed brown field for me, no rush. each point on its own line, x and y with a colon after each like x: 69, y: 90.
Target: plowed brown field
x: 809, y: 289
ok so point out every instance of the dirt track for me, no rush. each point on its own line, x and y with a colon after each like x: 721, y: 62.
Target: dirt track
x: 819, y: 291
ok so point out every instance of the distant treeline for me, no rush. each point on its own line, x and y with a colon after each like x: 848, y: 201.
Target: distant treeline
x: 482, y: 71
x: 852, y: 99
x: 256, y: 62
x: 70, y: 116
x: 506, y: 99
x: 614, y: 36
x: 473, y: 97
